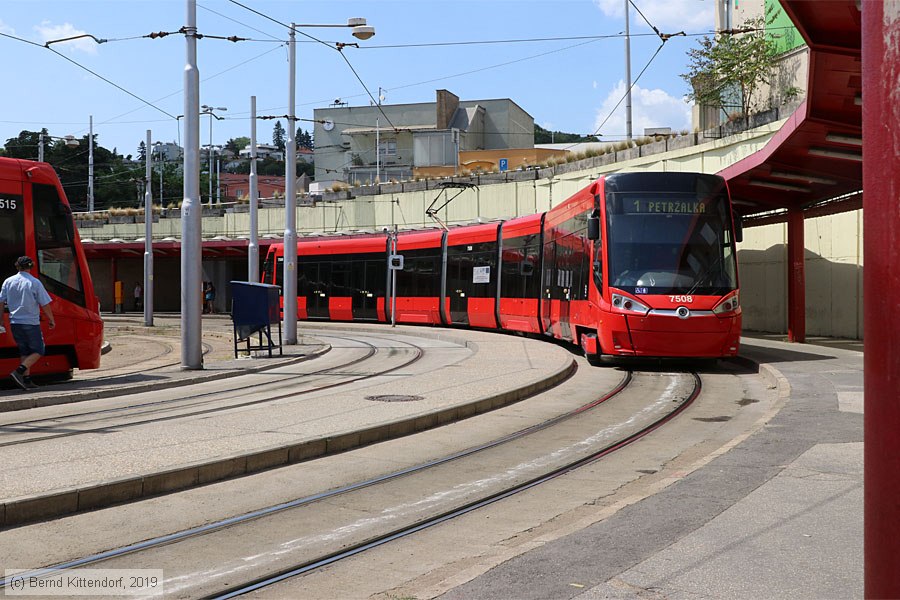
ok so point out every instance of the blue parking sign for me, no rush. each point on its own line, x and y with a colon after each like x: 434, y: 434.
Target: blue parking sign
x: 504, y: 164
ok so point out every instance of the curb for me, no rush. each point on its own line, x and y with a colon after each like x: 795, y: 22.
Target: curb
x: 26, y: 509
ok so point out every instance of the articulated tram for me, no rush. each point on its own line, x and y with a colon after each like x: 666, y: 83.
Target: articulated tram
x: 36, y: 221
x: 635, y: 264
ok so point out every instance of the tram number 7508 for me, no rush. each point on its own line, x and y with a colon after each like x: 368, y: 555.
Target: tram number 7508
x: 683, y: 299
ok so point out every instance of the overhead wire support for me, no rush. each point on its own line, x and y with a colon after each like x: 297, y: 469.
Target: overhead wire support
x: 340, y: 47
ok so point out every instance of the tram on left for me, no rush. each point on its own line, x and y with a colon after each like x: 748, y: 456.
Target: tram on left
x: 36, y: 221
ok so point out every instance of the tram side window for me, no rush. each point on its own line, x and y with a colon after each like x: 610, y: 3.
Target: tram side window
x: 279, y: 271
x: 521, y: 267
x: 54, y: 234
x: 420, y: 276
x: 461, y: 263
x: 12, y: 232
x: 340, y: 277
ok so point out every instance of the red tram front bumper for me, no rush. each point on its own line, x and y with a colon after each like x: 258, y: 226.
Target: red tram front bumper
x: 701, y: 336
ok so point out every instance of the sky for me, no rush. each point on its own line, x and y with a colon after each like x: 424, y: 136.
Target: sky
x: 562, y: 61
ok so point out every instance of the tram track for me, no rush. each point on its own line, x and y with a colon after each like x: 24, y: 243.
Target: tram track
x: 662, y: 411
x: 34, y: 430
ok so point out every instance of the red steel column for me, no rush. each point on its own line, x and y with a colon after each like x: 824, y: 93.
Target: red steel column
x: 881, y: 222
x: 796, y: 277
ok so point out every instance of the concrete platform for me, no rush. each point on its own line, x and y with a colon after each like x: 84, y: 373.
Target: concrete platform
x: 120, y: 462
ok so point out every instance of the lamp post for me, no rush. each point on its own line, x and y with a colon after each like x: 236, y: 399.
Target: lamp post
x: 208, y: 110
x: 70, y: 141
x: 148, y: 238
x: 253, y: 248
x: 360, y: 31
x: 191, y: 227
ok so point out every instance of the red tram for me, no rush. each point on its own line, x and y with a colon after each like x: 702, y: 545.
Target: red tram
x: 35, y: 220
x: 635, y: 264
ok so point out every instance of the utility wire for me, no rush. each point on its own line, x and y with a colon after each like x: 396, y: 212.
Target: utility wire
x: 377, y: 103
x: 622, y: 99
x: 206, y: 8
x: 504, y: 41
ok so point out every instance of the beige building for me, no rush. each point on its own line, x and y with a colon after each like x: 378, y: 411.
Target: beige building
x: 365, y: 144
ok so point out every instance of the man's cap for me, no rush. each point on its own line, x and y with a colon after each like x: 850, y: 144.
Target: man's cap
x: 24, y: 262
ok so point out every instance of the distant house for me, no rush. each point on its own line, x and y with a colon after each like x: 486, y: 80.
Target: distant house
x: 169, y: 151
x: 413, y: 139
x: 235, y: 186
x: 305, y: 155
x: 263, y: 151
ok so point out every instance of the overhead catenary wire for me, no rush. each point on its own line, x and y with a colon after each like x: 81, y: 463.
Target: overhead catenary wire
x: 622, y: 99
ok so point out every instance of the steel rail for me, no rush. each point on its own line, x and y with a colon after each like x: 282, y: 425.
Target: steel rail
x: 261, y: 513
x: 467, y: 508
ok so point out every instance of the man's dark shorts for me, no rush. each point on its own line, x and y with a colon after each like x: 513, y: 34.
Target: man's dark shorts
x: 28, y: 339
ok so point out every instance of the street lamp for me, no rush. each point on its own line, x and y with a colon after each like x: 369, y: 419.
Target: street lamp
x: 70, y: 141
x: 208, y: 110
x: 360, y: 31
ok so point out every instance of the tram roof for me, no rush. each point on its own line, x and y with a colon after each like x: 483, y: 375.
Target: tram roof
x: 817, y: 155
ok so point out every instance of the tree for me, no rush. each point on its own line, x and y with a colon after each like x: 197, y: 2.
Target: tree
x: 278, y: 136
x: 728, y: 71
x: 237, y: 144
x: 304, y: 139
x: 25, y: 145
x: 544, y: 136
x: 142, y: 152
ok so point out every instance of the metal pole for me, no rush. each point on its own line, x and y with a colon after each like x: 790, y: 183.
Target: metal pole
x: 209, y: 154
x: 148, y: 241
x: 377, y: 152
x: 881, y: 293
x: 253, y: 248
x: 218, y: 187
x: 161, y: 171
x: 290, y: 202
x: 91, y: 166
x: 41, y: 147
x: 191, y: 226
x: 627, y: 73
x: 394, y: 279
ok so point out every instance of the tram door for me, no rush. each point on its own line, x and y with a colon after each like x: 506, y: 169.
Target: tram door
x: 313, y: 282
x: 369, y: 287
x: 459, y: 274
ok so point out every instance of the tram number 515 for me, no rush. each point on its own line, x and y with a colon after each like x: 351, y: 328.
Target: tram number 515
x: 7, y: 204
x: 687, y: 299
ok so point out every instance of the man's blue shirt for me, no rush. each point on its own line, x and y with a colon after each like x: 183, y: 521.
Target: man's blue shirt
x: 24, y: 295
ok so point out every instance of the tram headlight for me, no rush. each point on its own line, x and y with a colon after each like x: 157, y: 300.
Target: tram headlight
x: 728, y: 304
x: 629, y: 305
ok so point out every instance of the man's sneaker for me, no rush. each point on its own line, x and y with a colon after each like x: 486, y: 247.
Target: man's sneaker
x: 19, y: 379
x: 31, y: 385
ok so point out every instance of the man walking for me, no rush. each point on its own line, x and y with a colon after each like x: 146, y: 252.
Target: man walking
x: 26, y: 297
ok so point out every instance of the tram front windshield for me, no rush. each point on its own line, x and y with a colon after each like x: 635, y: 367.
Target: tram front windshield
x: 670, y: 243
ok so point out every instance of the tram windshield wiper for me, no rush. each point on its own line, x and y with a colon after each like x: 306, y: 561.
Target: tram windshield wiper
x: 706, y: 274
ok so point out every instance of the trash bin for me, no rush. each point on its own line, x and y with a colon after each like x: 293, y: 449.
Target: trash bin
x: 254, y: 308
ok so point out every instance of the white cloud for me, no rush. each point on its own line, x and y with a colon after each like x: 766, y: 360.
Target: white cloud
x: 47, y: 31
x: 649, y: 108
x: 669, y: 16
x: 4, y: 28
